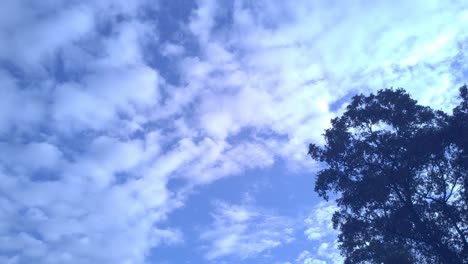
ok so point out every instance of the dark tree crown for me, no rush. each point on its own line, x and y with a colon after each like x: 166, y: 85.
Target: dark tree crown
x: 398, y: 172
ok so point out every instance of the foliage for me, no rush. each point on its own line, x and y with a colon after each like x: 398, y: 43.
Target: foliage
x: 399, y: 174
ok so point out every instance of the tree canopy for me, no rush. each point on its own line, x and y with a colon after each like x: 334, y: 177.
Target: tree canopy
x: 398, y: 172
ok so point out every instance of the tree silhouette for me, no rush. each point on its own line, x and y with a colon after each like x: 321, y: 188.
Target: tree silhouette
x: 399, y: 174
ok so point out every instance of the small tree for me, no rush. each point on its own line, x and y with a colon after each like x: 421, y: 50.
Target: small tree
x: 398, y: 173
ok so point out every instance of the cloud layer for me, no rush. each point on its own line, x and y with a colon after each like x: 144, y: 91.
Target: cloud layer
x: 107, y: 104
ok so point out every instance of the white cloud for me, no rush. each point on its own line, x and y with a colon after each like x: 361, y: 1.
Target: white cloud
x: 31, y: 156
x: 243, y: 231
x: 88, y: 213
x: 319, y: 223
x: 105, y: 195
x: 319, y: 228
x: 171, y: 49
x: 30, y: 101
x: 305, y: 257
x: 33, y: 40
x: 91, y: 132
x: 99, y: 99
x: 123, y: 48
x: 323, y: 255
x: 270, y: 69
x: 167, y: 236
x: 220, y: 159
x: 203, y: 19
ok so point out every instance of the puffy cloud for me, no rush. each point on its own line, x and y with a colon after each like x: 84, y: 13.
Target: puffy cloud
x: 41, y: 34
x: 89, y: 211
x: 30, y: 101
x: 31, y: 156
x: 203, y: 19
x: 101, y: 99
x: 76, y: 184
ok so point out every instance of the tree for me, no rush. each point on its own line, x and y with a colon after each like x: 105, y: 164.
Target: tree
x: 458, y: 131
x: 398, y: 173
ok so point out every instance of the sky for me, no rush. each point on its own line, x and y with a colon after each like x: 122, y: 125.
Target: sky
x: 146, y: 131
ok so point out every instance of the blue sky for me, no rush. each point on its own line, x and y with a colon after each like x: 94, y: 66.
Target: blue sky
x: 138, y: 132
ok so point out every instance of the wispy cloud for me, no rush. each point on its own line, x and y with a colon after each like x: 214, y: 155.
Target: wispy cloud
x: 244, y: 231
x: 319, y: 228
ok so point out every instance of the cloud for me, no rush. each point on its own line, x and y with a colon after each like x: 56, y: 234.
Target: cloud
x: 324, y: 255
x: 322, y: 237
x: 99, y: 111
x: 243, y: 231
x: 203, y: 19
x: 288, y: 74
x: 88, y: 211
x: 171, y: 49
x: 267, y: 68
x: 39, y: 37
x: 319, y: 228
x: 167, y: 236
x: 100, y: 100
x: 307, y: 258
x: 319, y: 223
x: 220, y: 159
x: 32, y: 106
x: 77, y: 186
x: 30, y: 157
